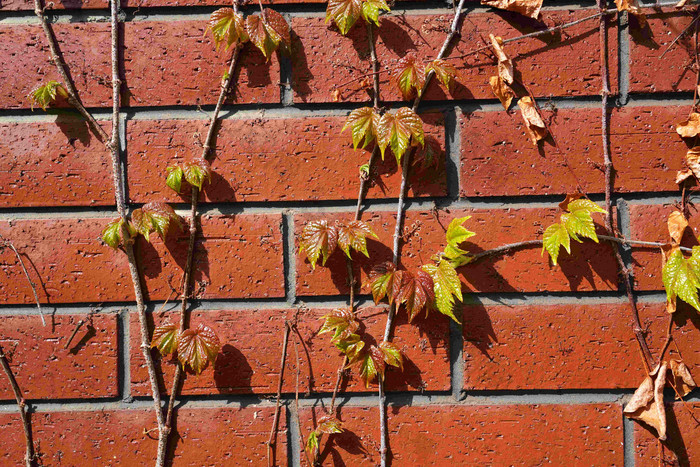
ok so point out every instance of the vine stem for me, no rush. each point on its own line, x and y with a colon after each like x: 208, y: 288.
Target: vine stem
x: 405, y: 166
x: 9, y: 244
x: 30, y: 456
x: 272, y: 442
x: 192, y: 224
x: 609, y: 181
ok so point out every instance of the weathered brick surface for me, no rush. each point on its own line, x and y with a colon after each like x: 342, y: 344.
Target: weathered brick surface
x: 549, y: 347
x: 19, y: 5
x: 590, y: 266
x: 498, y: 158
x: 223, y: 436
x: 480, y: 435
x: 46, y: 370
x: 649, y: 72
x: 153, y: 74
x: 56, y: 163
x: 682, y: 434
x: 280, y: 159
x: 550, y: 65
x: 238, y: 256
x: 249, y: 363
x: 648, y: 223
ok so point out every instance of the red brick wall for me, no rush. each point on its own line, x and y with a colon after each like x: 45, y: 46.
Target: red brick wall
x: 546, y: 358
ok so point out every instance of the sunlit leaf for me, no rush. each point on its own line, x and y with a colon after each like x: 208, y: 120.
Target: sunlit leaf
x: 344, y: 13
x: 578, y: 220
x: 680, y: 278
x: 416, y: 292
x: 371, y: 365
x: 312, y: 445
x: 391, y: 354
x: 354, y: 235
x: 227, y: 27
x: 444, y: 71
x: 363, y: 123
x: 502, y: 90
x: 409, y: 76
x: 198, y: 346
x: 689, y: 128
x: 277, y: 23
x: 318, y: 238
x: 340, y: 322
x: 46, y: 94
x: 155, y: 217
x: 456, y: 232
x: 111, y: 234
x: 381, y: 279
x: 396, y: 131
x: 174, y: 178
x: 632, y: 6
x: 267, y: 34
x: 351, y: 346
x: 447, y: 286
x: 329, y: 424
x: 505, y: 64
x: 370, y: 10
x: 165, y: 338
x: 197, y: 171
x: 555, y: 236
x: 677, y: 224
x: 692, y: 160
x: 535, y: 126
x: 530, y: 8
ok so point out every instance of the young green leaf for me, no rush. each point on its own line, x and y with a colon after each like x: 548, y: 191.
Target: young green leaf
x: 363, y: 123
x: 456, y: 232
x: 46, y: 94
x: 396, y: 130
x: 155, y: 217
x: 269, y: 32
x: 555, y: 236
x: 276, y: 22
x: 111, y: 234
x: 344, y: 13
x: 370, y: 10
x: 197, y: 346
x: 174, y: 178
x: 391, y: 354
x: 197, y: 171
x: 354, y: 235
x: 227, y: 26
x: 446, y: 285
x: 329, y: 424
x: 318, y: 238
x: 371, y: 365
x: 341, y: 322
x: 681, y: 277
x: 409, y: 76
x: 352, y: 347
x: 165, y: 338
x: 312, y: 446
x: 416, y: 292
x: 444, y: 71
x: 578, y: 220
x: 381, y: 280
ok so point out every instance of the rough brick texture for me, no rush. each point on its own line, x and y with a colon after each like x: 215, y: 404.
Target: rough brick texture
x: 681, y: 432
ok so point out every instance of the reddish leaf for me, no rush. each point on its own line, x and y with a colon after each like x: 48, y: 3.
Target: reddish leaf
x: 409, y: 76
x: 354, y: 235
x: 268, y: 33
x: 318, y: 238
x: 329, y: 424
x: 155, y: 217
x: 197, y: 346
x: 344, y: 13
x: 371, y: 365
x: 341, y: 322
x: 197, y: 171
x: 352, y: 347
x: 391, y: 354
x: 430, y: 154
x: 227, y: 26
x: 277, y: 23
x: 444, y: 71
x: 396, y: 130
x: 381, y: 279
x: 165, y: 338
x: 416, y: 293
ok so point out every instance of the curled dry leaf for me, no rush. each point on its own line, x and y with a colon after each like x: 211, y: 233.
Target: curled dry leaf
x: 692, y: 160
x: 534, y: 124
x: 647, y: 403
x: 530, y: 8
x: 682, y: 379
x: 691, y: 127
x: 676, y: 226
x: 501, y: 90
x: 505, y: 64
x: 681, y: 4
x: 632, y: 6
x: 684, y: 175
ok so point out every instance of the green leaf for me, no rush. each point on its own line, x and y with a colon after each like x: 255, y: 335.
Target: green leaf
x: 312, y: 445
x: 275, y: 23
x: 111, y: 234
x: 46, y: 94
x: 370, y: 10
x: 341, y: 323
x: 165, y: 338
x: 267, y: 34
x: 197, y: 171
x: 391, y: 354
x: 578, y: 220
x: 351, y: 346
x: 354, y: 235
x: 155, y: 217
x: 555, y: 235
x: 680, y: 278
x: 227, y: 26
x: 198, y: 346
x: 444, y: 71
x: 363, y: 123
x: 371, y: 364
x: 396, y: 130
x: 409, y: 76
x: 446, y: 286
x: 318, y: 238
x: 344, y: 13
x: 381, y: 279
x: 457, y: 233
x: 174, y: 178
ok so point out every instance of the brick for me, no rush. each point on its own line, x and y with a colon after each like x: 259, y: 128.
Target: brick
x: 590, y: 266
x: 252, y: 344
x: 479, y: 435
x: 220, y: 436
x: 647, y: 46
x: 46, y: 370
x: 552, y: 347
x: 501, y: 160
x: 550, y: 65
x: 239, y: 256
x: 682, y: 438
x: 648, y: 223
x: 53, y: 164
x: 23, y: 5
x: 153, y: 74
x: 269, y: 160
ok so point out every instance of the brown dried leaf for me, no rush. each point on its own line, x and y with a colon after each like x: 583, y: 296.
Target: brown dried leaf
x: 647, y: 403
x: 676, y: 226
x: 689, y: 128
x: 632, y: 6
x: 692, y: 160
x: 533, y: 122
x: 529, y: 8
x: 681, y: 4
x: 684, y: 175
x: 501, y: 89
x: 682, y: 379
x: 564, y: 205
x: 505, y: 64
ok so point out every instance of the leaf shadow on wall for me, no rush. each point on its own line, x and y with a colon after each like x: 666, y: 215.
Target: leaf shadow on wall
x: 477, y: 327
x: 395, y: 37
x: 333, y: 444
x: 232, y: 372
x: 257, y: 70
x: 74, y: 129
x: 643, y: 35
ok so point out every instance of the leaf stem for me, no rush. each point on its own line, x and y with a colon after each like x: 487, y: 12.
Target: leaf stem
x: 7, y: 243
x: 272, y: 442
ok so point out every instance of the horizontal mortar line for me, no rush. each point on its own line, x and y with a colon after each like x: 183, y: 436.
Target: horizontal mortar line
x: 470, y: 398
x: 513, y: 299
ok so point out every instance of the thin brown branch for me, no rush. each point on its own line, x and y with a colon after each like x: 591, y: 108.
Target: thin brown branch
x: 678, y: 37
x: 296, y: 400
x: 75, y: 331
x: 667, y: 342
x: 30, y: 457
x: 7, y: 243
x: 272, y: 442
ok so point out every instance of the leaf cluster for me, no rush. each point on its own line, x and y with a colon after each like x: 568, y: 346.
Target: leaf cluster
x: 328, y: 424
x: 194, y: 347
x: 152, y: 217
x: 268, y: 31
x: 319, y: 239
x: 345, y: 13
x: 195, y: 172
x: 46, y: 94
x: 409, y: 75
x: 576, y: 222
